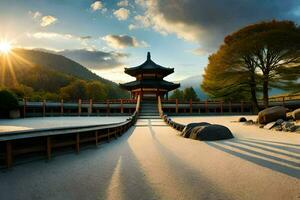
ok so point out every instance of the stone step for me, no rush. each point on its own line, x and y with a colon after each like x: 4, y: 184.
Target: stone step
x: 149, y: 114
x: 149, y: 117
x: 149, y: 110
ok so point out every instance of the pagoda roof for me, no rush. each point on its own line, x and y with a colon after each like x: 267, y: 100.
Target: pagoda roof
x: 149, y: 66
x: 160, y: 84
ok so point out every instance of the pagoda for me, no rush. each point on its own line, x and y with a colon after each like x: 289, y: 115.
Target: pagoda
x: 149, y: 83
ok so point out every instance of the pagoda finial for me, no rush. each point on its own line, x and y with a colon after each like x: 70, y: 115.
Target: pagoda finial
x: 148, y: 56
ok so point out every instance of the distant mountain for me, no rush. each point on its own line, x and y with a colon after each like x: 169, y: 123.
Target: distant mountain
x: 193, y: 81
x: 56, y: 62
x: 47, y: 72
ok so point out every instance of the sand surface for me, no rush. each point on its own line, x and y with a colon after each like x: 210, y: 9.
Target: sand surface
x: 7, y: 125
x: 152, y: 162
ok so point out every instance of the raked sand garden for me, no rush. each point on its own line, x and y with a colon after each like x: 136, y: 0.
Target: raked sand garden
x: 152, y: 162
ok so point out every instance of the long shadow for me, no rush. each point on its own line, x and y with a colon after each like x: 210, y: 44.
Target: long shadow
x: 259, y: 161
x: 236, y: 143
x: 84, y: 176
x: 266, y: 143
x: 201, y: 186
x: 275, y: 142
x: 267, y: 149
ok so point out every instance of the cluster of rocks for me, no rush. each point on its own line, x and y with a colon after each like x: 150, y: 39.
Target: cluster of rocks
x: 276, y: 118
x: 173, y: 124
x: 206, y: 132
x: 200, y: 131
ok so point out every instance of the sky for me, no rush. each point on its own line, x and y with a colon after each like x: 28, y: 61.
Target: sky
x: 108, y: 35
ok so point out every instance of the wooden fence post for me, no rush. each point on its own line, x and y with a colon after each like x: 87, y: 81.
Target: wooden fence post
x: 242, y: 106
x: 44, y: 108
x: 122, y: 108
x: 191, y: 105
x: 96, y: 138
x: 24, y: 107
x: 221, y: 104
x: 176, y: 105
x: 107, y: 106
x: 91, y: 107
x: 62, y: 107
x: 77, y: 142
x: 9, y: 154
x: 49, y: 148
x: 79, y: 107
x: 206, y: 106
x: 283, y: 101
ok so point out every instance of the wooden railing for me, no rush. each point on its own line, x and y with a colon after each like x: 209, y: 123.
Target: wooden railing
x: 80, y: 107
x: 27, y: 142
x: 176, y: 106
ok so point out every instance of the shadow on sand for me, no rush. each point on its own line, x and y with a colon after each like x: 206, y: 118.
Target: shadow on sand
x: 199, y: 186
x: 250, y: 150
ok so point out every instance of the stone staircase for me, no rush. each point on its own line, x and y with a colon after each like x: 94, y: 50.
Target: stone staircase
x: 148, y: 110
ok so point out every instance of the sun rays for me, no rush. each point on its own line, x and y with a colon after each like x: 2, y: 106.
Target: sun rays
x: 8, y: 60
x: 5, y: 47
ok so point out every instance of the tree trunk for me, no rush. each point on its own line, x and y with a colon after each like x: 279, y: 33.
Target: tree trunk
x: 266, y: 91
x: 254, y: 99
x: 253, y: 90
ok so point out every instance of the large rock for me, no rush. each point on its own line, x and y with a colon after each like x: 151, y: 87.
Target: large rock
x: 271, y: 114
x: 188, y: 128
x: 211, y: 133
x: 296, y: 114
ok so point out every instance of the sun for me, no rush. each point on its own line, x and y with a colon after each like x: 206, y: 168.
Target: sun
x: 5, y: 47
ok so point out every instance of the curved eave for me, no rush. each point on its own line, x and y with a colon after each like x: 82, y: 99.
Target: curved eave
x: 136, y: 71
x: 145, y: 84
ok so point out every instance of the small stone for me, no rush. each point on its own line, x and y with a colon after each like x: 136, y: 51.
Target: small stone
x: 249, y: 122
x: 289, y: 126
x: 270, y: 125
x: 279, y: 121
x: 261, y: 126
x: 242, y: 119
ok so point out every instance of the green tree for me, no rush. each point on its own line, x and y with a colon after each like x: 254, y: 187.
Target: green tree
x: 262, y: 54
x: 189, y: 93
x: 76, y: 90
x: 8, y: 101
x: 230, y: 74
x: 96, y: 91
x: 177, y: 94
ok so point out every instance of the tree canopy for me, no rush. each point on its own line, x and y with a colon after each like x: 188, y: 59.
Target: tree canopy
x: 186, y: 94
x: 253, y: 59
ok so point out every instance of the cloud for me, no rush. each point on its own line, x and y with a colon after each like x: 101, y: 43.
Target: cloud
x: 87, y: 37
x: 61, y: 38
x: 97, y: 5
x: 200, y: 52
x: 122, y: 14
x: 50, y: 35
x: 94, y: 59
x: 47, y: 20
x: 123, y: 3
x: 35, y: 15
x: 207, y: 22
x: 123, y: 41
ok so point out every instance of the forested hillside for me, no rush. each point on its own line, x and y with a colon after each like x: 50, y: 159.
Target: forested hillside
x: 38, y: 75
